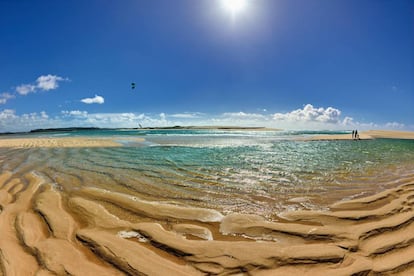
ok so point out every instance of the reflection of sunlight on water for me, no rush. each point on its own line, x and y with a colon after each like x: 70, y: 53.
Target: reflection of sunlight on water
x: 261, y: 177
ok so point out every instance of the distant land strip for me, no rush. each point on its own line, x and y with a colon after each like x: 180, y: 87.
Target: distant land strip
x: 70, y: 129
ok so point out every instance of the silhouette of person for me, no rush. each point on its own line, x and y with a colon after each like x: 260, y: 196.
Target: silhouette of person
x: 353, y: 134
x: 356, y: 135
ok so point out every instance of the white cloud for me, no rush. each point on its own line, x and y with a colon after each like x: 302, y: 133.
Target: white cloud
x: 311, y: 114
x: 4, y: 97
x: 162, y: 116
x: 75, y: 113
x: 43, y: 83
x: 185, y: 115
x: 348, y: 121
x: 308, y: 118
x: 48, y: 82
x: 10, y: 121
x: 394, y: 125
x: 25, y: 89
x: 127, y: 120
x: 244, y: 116
x: 241, y: 119
x: 7, y: 114
x: 44, y: 115
x: 95, y: 100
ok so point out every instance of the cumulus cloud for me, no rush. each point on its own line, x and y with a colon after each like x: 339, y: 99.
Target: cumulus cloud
x: 308, y: 117
x: 48, y: 82
x: 10, y: 121
x: 7, y: 114
x: 127, y: 119
x: 95, y: 100
x: 311, y: 114
x: 25, y: 89
x: 42, y: 83
x: 4, y: 97
x: 74, y: 113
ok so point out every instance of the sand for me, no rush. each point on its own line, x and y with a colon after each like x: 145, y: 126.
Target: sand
x: 52, y: 233
x: 366, y: 135
x: 61, y: 142
x: 390, y: 134
x: 92, y: 231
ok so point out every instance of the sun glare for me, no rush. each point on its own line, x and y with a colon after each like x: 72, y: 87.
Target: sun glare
x: 234, y: 6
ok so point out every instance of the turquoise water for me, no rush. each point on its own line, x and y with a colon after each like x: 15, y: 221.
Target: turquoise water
x: 233, y: 171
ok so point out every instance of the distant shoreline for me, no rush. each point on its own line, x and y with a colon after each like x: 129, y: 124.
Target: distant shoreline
x: 68, y: 129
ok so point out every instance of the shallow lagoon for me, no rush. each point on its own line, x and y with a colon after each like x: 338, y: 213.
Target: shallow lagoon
x: 260, y: 172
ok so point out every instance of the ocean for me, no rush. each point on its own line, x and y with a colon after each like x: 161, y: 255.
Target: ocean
x: 243, y: 171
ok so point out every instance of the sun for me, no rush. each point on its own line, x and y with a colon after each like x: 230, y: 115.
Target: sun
x: 234, y: 6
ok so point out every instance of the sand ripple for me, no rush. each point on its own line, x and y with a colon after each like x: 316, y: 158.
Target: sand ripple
x: 46, y: 231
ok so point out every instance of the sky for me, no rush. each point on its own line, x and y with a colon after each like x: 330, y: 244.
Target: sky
x: 291, y: 64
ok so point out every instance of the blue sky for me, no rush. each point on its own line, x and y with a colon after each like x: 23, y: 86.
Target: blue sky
x: 331, y: 64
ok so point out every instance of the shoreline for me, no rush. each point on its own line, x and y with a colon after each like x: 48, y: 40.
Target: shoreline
x: 365, y: 135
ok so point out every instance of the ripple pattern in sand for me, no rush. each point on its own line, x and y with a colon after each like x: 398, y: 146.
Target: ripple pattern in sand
x: 111, y: 233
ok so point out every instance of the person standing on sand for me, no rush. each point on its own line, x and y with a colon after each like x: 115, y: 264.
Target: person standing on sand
x: 353, y: 134
x: 356, y: 135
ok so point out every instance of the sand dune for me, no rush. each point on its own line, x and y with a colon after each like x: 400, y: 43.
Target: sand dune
x: 52, y: 232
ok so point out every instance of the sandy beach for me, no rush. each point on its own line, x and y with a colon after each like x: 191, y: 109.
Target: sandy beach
x: 52, y: 233
x: 57, y: 142
x: 366, y: 135
x: 49, y: 231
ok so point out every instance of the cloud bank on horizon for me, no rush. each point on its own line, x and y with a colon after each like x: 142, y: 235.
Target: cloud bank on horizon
x: 308, y: 117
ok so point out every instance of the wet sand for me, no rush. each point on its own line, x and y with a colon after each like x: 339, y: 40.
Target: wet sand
x: 52, y: 233
x: 61, y: 142
x: 366, y: 135
x: 46, y: 231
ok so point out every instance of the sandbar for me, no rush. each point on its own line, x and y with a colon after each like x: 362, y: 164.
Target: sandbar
x: 61, y: 142
x: 365, y: 135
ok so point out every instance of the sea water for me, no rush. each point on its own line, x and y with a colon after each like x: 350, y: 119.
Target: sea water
x: 260, y: 172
